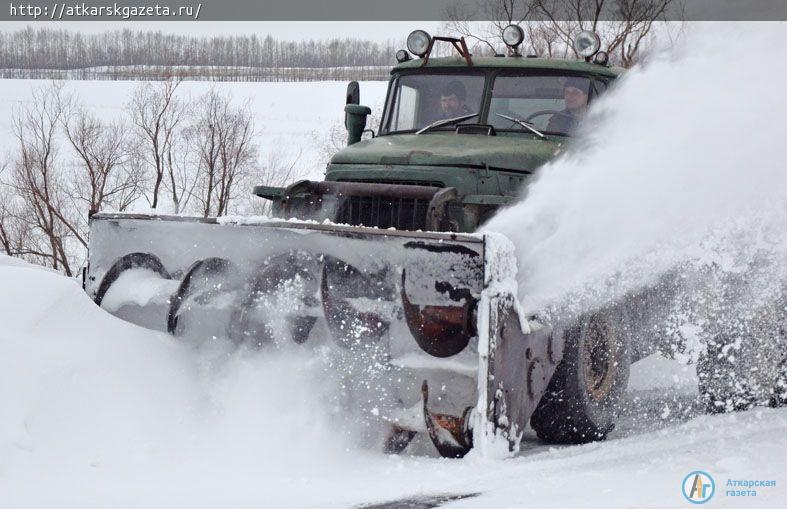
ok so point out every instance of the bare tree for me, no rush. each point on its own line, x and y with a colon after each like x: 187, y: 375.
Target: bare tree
x: 106, y: 175
x: 501, y: 13
x: 278, y: 171
x: 551, y: 25
x: 631, y: 22
x: 223, y: 137
x: 156, y: 112
x: 331, y: 141
x: 9, y: 230
x: 183, y: 175
x: 334, y: 138
x: 15, y: 239
x: 39, y: 183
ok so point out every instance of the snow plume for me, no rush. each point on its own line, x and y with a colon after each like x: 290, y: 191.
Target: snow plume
x: 673, y: 202
x: 682, y: 165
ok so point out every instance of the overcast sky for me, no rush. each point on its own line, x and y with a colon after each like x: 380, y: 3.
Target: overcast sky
x: 289, y: 30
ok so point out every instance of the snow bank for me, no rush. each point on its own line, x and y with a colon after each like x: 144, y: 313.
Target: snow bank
x: 93, y: 406
x: 10, y: 261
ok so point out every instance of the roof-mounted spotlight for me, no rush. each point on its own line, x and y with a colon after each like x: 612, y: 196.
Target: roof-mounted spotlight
x: 587, y: 44
x: 513, y: 35
x: 601, y: 58
x: 418, y: 42
x: 402, y: 56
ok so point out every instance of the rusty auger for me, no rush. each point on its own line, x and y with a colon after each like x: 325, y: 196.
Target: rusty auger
x: 441, y: 331
x: 452, y: 436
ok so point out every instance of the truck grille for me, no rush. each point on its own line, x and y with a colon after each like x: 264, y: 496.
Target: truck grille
x: 427, y: 183
x: 384, y: 212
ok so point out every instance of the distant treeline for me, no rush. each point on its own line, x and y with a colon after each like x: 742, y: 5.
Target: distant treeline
x: 203, y: 73
x: 38, y: 49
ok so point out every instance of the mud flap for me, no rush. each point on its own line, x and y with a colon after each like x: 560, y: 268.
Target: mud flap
x: 517, y: 361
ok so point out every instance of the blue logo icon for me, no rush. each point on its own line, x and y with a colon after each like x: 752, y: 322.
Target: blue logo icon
x: 698, y: 487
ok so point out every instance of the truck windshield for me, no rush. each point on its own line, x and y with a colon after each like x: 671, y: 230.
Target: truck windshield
x: 550, y: 104
x: 418, y: 100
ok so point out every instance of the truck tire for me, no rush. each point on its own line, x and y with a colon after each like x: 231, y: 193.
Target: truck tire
x: 581, y: 402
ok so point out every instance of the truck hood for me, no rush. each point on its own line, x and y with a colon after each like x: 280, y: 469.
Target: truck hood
x: 450, y: 149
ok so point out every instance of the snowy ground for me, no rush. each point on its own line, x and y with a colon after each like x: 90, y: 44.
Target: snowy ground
x: 98, y: 412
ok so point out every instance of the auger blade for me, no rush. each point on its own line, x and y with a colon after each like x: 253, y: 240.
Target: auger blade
x: 403, y: 311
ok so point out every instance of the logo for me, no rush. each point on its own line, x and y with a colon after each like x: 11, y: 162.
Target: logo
x: 698, y: 487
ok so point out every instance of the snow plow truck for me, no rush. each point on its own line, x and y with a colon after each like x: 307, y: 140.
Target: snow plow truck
x: 380, y: 264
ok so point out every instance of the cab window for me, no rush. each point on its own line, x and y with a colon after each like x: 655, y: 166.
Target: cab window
x: 418, y: 100
x: 549, y: 103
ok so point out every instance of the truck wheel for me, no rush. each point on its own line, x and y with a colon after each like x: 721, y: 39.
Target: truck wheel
x: 581, y: 402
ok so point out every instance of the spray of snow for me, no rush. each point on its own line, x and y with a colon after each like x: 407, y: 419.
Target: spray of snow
x: 678, y: 174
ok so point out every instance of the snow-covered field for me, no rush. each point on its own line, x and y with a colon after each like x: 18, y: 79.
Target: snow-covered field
x: 291, y: 118
x: 96, y: 412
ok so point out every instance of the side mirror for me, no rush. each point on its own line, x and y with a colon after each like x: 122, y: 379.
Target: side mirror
x: 355, y: 121
x: 353, y: 93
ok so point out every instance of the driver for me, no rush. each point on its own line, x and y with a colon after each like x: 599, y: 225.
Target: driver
x: 452, y: 100
x: 576, y: 101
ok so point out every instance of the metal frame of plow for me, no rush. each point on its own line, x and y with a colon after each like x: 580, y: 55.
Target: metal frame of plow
x: 432, y: 271
x: 517, y: 359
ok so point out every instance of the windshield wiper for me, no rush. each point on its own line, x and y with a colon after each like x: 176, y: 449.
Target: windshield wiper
x: 445, y: 121
x: 526, y: 125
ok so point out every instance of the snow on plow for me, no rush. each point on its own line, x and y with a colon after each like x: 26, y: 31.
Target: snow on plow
x: 427, y: 324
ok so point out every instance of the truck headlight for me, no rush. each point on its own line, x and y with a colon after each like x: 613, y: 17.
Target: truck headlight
x: 513, y: 35
x: 587, y: 43
x: 418, y: 42
x: 402, y: 56
x: 601, y: 58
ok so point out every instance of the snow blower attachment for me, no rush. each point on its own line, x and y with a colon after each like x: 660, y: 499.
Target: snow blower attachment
x: 432, y: 312
x: 420, y: 321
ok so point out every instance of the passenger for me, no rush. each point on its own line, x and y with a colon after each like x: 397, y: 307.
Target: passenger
x: 576, y: 103
x: 452, y: 100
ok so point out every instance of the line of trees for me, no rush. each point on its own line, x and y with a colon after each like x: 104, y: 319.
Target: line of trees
x: 47, y: 48
x: 165, y: 153
x: 203, y: 73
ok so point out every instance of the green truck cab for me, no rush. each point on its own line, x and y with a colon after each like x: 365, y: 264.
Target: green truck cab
x: 459, y: 137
